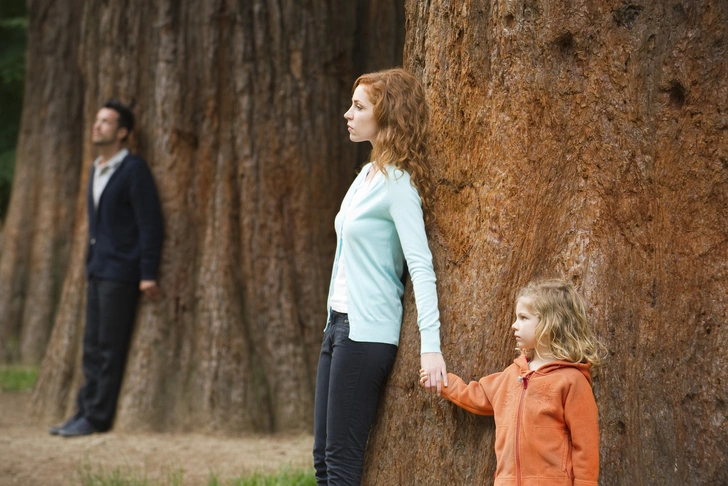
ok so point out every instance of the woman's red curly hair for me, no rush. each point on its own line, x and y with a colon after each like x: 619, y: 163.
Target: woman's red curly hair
x: 400, y: 111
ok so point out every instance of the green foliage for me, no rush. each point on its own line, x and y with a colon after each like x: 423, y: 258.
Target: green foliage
x: 7, y: 167
x: 13, y: 31
x: 12, y: 56
x: 126, y: 477
x: 17, y: 378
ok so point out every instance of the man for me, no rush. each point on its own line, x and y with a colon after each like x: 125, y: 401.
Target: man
x: 124, y: 249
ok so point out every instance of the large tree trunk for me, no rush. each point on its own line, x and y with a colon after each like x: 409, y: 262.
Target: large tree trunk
x: 39, y: 223
x: 240, y: 117
x: 587, y: 140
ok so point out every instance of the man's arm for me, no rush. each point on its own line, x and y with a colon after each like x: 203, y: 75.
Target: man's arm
x: 148, y: 215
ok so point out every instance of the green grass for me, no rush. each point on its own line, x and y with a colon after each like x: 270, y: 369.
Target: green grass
x: 125, y: 477
x: 283, y: 478
x: 17, y: 378
x: 117, y: 477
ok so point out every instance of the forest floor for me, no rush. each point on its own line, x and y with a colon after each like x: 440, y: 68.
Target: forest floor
x: 29, y: 456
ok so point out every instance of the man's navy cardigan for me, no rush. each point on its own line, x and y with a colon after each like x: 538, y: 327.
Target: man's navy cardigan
x: 126, y: 230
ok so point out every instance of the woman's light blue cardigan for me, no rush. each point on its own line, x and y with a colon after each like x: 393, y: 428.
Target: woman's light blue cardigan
x: 375, y: 237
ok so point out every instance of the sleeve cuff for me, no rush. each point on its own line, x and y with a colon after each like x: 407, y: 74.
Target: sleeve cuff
x: 430, y: 342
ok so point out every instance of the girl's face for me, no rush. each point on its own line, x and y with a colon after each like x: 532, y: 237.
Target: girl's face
x: 525, y: 325
x: 360, y: 117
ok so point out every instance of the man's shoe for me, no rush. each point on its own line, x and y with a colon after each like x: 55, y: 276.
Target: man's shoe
x: 78, y: 428
x: 57, y: 429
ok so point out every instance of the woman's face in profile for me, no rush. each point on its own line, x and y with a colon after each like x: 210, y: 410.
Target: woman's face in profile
x: 360, y: 117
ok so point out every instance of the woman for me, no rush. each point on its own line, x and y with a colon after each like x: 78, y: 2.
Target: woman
x: 380, y: 226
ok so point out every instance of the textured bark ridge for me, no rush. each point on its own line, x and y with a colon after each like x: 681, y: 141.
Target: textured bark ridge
x: 587, y: 140
x: 39, y: 224
x: 240, y: 117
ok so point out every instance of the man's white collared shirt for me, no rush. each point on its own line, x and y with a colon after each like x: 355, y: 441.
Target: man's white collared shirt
x: 103, y: 174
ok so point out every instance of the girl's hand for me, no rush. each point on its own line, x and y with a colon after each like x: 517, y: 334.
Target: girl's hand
x: 433, y: 373
x: 423, y: 378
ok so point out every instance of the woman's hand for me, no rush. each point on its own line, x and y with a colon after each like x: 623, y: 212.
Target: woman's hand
x: 433, y: 373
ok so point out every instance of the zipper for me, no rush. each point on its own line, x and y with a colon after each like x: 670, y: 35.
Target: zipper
x: 524, y: 380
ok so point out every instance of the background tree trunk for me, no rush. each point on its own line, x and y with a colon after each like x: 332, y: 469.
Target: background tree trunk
x: 39, y: 223
x: 587, y: 140
x: 239, y: 112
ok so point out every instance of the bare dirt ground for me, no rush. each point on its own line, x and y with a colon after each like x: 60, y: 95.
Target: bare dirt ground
x: 29, y: 456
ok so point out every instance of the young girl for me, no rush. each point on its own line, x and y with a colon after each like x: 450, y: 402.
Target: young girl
x: 546, y: 419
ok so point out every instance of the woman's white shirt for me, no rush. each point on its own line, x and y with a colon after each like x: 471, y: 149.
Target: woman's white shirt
x: 339, y: 299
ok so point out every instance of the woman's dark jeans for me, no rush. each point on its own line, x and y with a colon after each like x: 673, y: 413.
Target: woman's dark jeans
x: 350, y: 379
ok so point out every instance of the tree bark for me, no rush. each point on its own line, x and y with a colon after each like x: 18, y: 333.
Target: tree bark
x: 38, y: 228
x: 239, y: 112
x: 587, y: 140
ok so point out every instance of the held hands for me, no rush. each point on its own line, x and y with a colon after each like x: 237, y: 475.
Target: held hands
x: 150, y: 289
x: 433, y: 374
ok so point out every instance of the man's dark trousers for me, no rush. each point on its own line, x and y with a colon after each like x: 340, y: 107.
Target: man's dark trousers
x: 110, y: 312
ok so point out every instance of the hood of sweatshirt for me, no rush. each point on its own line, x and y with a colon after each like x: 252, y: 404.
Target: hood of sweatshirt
x: 522, y: 363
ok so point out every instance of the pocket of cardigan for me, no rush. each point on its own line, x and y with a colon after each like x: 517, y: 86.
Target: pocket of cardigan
x: 553, y: 446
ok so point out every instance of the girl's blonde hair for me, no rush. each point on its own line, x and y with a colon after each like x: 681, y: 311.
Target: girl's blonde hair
x: 562, y: 326
x: 400, y: 111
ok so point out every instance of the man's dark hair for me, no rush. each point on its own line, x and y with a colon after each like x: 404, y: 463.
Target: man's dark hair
x: 126, y: 117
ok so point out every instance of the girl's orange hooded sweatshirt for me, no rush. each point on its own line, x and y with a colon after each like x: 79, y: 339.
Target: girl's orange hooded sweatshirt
x: 546, y: 422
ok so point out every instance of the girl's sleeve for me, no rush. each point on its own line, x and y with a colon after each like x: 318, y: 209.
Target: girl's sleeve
x: 582, y: 419
x: 475, y: 397
x: 405, y: 208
